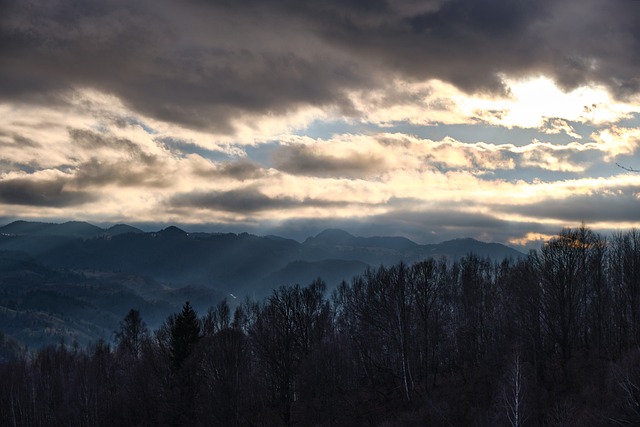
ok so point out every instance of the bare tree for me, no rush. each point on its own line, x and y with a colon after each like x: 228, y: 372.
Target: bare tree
x: 132, y: 333
x: 558, y: 270
x: 224, y: 374
x: 624, y: 271
x: 631, y: 392
x: 284, y: 333
x: 513, y: 393
x: 217, y: 319
x: 427, y: 280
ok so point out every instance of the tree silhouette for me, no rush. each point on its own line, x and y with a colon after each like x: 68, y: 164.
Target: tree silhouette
x: 132, y: 333
x: 548, y: 339
x: 184, y: 335
x: 561, y: 289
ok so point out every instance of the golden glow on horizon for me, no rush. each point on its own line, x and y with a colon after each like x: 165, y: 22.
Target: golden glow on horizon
x: 529, y: 238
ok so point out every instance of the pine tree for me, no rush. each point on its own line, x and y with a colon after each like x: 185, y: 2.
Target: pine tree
x: 185, y: 333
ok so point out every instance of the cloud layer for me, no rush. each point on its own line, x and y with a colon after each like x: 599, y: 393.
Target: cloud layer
x: 432, y: 119
x: 209, y: 64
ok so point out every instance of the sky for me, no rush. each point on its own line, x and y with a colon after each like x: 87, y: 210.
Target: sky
x: 504, y: 121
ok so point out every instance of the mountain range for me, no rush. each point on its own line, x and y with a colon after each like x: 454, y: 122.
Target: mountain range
x: 225, y: 261
x: 75, y: 280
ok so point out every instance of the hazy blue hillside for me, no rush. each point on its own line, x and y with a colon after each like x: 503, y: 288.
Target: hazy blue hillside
x: 40, y: 305
x: 10, y: 348
x: 76, y: 229
x: 68, y: 229
x: 332, y: 271
x: 121, y: 229
x: 225, y: 261
x: 25, y: 227
x: 390, y: 250
x: 334, y: 237
x: 457, y: 248
x: 75, y: 281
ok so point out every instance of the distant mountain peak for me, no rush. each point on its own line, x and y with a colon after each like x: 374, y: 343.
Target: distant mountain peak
x: 460, y: 240
x: 172, y: 230
x: 75, y: 228
x: 69, y: 228
x: 24, y: 227
x: 336, y: 237
x: 333, y: 233
x: 20, y: 222
x: 331, y: 236
x: 117, y: 229
x: 468, y: 245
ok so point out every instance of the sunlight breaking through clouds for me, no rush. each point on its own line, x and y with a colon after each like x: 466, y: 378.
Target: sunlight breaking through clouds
x: 206, y: 117
x: 94, y: 143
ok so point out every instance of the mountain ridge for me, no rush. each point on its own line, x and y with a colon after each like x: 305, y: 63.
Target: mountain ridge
x: 326, y: 236
x: 226, y: 261
x: 75, y: 281
x: 65, y: 229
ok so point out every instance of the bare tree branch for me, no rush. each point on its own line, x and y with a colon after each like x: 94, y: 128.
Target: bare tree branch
x: 627, y: 168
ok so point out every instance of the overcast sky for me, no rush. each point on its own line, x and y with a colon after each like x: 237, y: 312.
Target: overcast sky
x: 433, y: 119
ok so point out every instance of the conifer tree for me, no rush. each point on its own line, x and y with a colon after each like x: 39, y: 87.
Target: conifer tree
x: 185, y: 333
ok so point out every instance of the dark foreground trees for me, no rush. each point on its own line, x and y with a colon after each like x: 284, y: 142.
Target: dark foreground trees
x: 548, y: 340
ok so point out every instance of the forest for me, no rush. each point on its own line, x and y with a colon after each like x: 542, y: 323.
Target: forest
x: 551, y: 339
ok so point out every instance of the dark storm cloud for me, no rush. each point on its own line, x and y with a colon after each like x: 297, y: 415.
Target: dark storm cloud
x: 176, y: 61
x: 41, y: 193
x: 303, y: 160
x: 205, y: 63
x: 621, y: 205
x: 240, y: 170
x: 243, y: 201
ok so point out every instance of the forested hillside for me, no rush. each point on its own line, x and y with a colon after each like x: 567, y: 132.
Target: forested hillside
x: 74, y: 281
x: 228, y: 262
x: 551, y: 339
